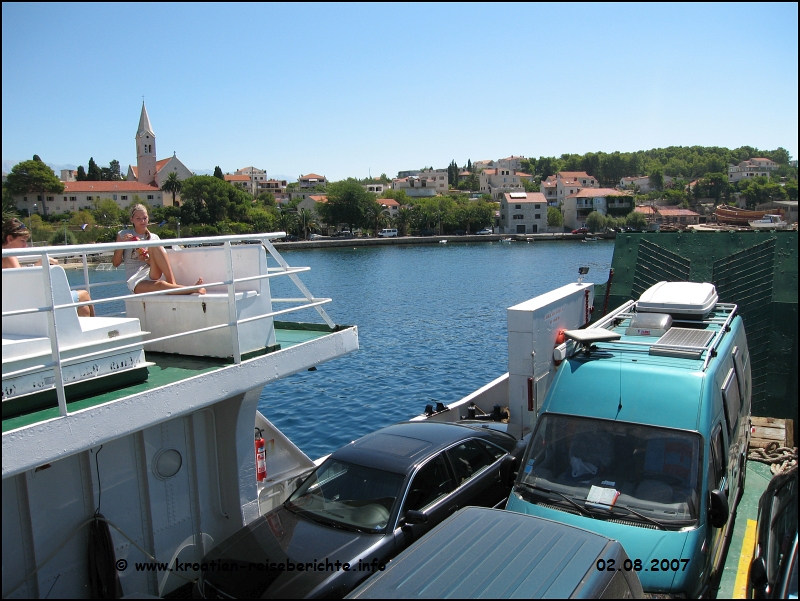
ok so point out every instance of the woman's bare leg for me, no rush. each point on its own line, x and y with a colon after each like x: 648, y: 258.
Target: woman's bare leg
x: 159, y: 265
x: 86, y: 310
x: 162, y: 285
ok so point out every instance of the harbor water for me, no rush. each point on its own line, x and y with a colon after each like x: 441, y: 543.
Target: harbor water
x: 431, y: 321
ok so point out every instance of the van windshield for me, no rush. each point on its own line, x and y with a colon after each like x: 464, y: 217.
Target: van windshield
x: 594, y: 464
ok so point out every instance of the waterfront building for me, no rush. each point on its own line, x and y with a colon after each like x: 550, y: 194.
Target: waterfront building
x: 576, y: 206
x: 661, y: 215
x: 557, y: 187
x: 276, y: 186
x: 755, y: 167
x: 312, y: 180
x: 78, y: 196
x: 523, y: 213
x: 789, y: 208
x: 255, y: 176
x: 243, y: 182
x: 501, y: 180
x: 148, y: 169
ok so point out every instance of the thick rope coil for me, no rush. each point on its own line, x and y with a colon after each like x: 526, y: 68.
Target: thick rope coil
x: 780, y: 459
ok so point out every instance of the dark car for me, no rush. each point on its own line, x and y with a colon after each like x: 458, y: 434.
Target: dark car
x: 581, y: 230
x: 367, y: 502
x: 290, y: 238
x: 773, y: 571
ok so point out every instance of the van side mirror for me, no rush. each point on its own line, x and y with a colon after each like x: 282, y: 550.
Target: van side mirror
x: 415, y: 517
x: 717, y: 508
x: 758, y: 574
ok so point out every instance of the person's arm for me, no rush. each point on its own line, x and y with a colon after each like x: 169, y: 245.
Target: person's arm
x: 10, y: 263
x: 119, y: 254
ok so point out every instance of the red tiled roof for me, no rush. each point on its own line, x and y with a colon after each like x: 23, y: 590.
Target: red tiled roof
x: 119, y: 186
x: 312, y: 176
x: 521, y: 174
x: 389, y: 202
x: 675, y: 212
x: 237, y: 178
x: 596, y: 192
x: 529, y: 197
x: 644, y: 210
x: 573, y: 174
x: 319, y: 198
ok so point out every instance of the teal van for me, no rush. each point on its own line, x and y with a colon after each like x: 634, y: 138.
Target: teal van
x: 643, y: 435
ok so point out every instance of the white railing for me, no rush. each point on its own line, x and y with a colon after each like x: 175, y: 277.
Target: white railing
x: 306, y: 301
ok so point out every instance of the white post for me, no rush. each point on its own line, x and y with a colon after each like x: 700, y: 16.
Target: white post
x: 232, y: 313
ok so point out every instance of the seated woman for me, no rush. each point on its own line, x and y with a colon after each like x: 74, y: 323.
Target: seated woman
x: 16, y: 235
x: 147, y: 270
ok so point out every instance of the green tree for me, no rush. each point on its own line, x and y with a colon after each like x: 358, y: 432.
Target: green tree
x: 218, y: 173
x: 305, y: 219
x: 111, y: 173
x: 93, y: 174
x: 404, y: 219
x: 347, y: 203
x: 107, y: 213
x: 81, y: 175
x: 266, y: 198
x: 172, y: 185
x: 375, y: 214
x: 595, y: 221
x: 33, y: 177
x: 656, y: 179
x: 287, y: 221
x: 636, y: 220
x: 9, y: 206
x: 207, y: 199
x: 554, y: 217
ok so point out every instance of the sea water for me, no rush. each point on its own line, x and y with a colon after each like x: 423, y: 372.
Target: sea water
x: 431, y: 325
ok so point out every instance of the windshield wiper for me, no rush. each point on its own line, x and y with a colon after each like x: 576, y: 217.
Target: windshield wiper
x: 611, y: 509
x: 577, y: 506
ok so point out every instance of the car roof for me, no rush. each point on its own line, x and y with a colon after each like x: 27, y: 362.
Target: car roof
x: 400, y: 447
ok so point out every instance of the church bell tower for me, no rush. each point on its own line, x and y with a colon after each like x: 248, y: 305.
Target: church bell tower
x: 145, y: 150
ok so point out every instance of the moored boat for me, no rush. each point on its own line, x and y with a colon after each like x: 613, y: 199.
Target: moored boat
x: 769, y: 222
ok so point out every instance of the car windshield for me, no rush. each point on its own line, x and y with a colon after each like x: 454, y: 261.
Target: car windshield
x: 606, y: 468
x: 347, y: 495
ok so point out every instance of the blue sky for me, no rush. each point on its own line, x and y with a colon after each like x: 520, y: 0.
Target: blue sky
x: 345, y: 90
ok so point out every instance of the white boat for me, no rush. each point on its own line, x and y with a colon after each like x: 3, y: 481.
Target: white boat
x: 769, y: 222
x: 145, y: 423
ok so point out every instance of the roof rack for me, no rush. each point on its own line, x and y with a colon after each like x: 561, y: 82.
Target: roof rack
x: 689, y: 343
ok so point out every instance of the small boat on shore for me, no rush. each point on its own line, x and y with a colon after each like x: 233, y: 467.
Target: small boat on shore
x: 769, y: 222
x: 736, y: 216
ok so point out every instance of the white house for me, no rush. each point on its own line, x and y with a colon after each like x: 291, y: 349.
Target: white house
x: 642, y: 183
x: 512, y: 162
x: 78, y: 196
x: 312, y: 180
x: 557, y: 187
x: 755, y: 167
x: 427, y: 182
x: 523, y: 213
x: 501, y: 180
x: 577, y: 206
x: 376, y: 187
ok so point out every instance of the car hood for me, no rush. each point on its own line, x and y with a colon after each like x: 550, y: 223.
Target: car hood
x: 261, y: 560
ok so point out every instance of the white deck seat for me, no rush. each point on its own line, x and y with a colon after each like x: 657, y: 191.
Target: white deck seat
x: 26, y: 339
x: 165, y: 315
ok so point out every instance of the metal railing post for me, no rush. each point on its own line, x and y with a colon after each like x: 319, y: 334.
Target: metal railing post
x: 52, y: 328
x: 232, y: 313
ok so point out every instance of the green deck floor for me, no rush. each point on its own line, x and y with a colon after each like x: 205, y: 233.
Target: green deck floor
x: 168, y: 369
x: 758, y: 477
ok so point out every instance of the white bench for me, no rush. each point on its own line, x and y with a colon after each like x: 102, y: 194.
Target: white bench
x: 165, y: 315
x: 26, y: 338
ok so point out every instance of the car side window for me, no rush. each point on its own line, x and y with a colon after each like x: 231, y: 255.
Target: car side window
x: 432, y: 482
x: 732, y: 401
x: 718, y: 459
x: 467, y: 459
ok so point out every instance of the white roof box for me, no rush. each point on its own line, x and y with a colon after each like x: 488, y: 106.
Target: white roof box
x: 690, y: 299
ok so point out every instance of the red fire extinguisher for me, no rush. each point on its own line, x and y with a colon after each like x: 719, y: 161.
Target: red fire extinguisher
x: 261, y: 457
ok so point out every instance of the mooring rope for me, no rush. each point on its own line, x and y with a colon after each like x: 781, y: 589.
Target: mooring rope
x: 780, y: 459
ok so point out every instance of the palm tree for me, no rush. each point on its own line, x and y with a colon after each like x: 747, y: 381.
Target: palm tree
x: 287, y: 221
x: 172, y: 185
x: 306, y: 220
x: 376, y: 214
x: 404, y: 216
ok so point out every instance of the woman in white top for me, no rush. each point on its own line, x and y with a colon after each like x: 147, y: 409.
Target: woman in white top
x: 147, y: 269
